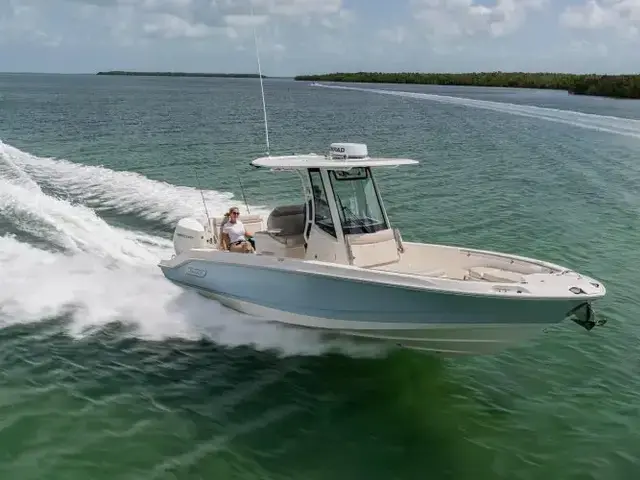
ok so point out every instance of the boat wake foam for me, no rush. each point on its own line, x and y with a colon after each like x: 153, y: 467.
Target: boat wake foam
x: 603, y: 123
x: 101, y: 274
x: 125, y: 193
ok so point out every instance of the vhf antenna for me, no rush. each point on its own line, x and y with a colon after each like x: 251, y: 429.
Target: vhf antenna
x: 264, y: 106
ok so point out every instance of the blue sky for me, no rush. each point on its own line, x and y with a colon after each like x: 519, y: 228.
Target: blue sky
x: 303, y: 36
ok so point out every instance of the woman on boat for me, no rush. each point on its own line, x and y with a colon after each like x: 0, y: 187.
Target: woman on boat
x: 234, y: 236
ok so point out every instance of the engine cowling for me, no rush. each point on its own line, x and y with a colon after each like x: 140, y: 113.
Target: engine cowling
x: 189, y: 233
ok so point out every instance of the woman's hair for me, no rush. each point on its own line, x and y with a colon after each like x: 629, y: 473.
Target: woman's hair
x: 228, y: 214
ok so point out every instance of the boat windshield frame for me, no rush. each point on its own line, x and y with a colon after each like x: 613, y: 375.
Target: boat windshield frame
x: 360, y: 207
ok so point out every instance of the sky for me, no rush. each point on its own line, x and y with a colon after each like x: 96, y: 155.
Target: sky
x: 320, y: 36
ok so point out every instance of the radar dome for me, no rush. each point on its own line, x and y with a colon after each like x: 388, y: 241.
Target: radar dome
x: 348, y: 150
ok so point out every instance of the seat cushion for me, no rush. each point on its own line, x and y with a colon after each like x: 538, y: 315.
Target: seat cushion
x: 491, y: 274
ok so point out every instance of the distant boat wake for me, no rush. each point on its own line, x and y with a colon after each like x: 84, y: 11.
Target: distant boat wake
x: 603, y: 123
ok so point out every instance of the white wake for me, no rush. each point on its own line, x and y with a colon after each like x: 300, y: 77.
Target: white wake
x: 603, y: 123
x: 99, y: 274
x: 124, y: 192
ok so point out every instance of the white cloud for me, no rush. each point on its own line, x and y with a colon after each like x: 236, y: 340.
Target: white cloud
x: 456, y: 18
x: 245, y: 20
x: 339, y: 20
x: 301, y: 36
x: 21, y: 20
x: 197, y: 19
x: 397, y: 34
x: 623, y: 16
x: 170, y: 26
x: 583, y: 47
x: 299, y: 7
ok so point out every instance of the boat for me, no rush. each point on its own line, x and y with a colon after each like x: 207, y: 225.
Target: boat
x: 335, y: 263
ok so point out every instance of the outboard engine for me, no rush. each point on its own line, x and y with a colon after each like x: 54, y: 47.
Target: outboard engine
x: 189, y: 233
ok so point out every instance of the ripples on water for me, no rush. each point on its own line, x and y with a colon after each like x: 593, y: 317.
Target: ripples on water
x: 109, y: 371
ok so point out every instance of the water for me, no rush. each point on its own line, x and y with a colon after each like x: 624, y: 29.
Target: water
x: 109, y: 371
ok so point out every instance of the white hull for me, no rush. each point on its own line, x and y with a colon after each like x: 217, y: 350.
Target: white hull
x: 429, y: 313
x: 484, y: 339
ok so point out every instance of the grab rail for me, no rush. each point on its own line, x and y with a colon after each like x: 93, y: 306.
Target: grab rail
x: 398, y: 237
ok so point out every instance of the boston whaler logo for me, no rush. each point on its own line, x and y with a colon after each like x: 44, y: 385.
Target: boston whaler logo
x: 196, y: 272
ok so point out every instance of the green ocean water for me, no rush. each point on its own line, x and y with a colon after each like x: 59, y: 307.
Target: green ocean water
x: 109, y: 371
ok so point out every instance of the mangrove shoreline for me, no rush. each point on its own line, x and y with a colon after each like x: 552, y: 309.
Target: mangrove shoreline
x: 615, y: 86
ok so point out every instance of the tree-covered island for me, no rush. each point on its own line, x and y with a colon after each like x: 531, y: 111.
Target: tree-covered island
x: 181, y: 74
x: 617, y: 86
